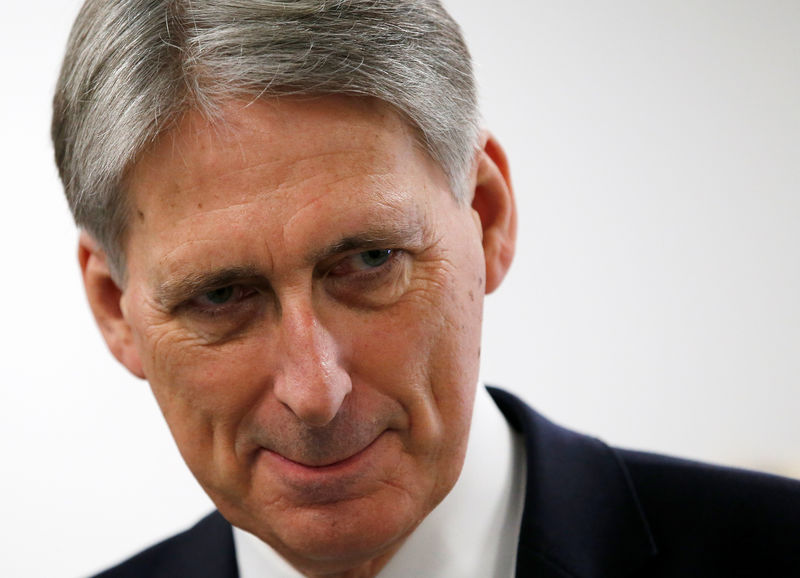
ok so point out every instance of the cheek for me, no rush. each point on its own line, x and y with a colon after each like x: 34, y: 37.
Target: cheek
x: 424, y: 350
x: 200, y: 384
x: 204, y: 394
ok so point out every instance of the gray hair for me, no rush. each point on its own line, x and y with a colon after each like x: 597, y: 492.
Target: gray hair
x: 133, y: 67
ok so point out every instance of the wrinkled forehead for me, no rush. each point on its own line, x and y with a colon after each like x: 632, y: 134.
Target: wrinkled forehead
x: 284, y: 139
x: 295, y: 169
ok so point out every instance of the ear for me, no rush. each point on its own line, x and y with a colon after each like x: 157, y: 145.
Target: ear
x: 493, y: 201
x: 105, y: 301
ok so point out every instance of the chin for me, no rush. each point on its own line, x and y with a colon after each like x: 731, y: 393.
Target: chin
x: 338, y: 537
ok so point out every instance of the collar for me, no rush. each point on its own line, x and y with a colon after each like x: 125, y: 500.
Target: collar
x: 473, y: 532
x: 475, y: 529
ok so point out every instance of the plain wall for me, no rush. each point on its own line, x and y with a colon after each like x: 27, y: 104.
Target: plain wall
x: 654, y: 300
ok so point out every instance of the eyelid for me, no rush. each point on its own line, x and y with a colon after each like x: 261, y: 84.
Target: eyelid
x: 367, y: 274
x: 172, y: 293
x: 192, y: 304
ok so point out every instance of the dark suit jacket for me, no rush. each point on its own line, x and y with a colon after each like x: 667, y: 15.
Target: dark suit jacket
x: 591, y: 511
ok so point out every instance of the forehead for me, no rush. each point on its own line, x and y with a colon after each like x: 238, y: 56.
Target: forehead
x: 282, y: 140
x: 294, y: 169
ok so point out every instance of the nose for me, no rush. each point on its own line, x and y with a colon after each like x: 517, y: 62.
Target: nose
x: 311, y: 381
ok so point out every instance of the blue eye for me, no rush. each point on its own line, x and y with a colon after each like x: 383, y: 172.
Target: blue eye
x: 376, y: 257
x: 220, y: 296
x: 228, y: 301
x: 372, y: 262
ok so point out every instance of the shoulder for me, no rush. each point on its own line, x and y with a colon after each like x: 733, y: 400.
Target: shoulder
x: 595, y: 510
x: 718, y: 517
x: 204, y: 550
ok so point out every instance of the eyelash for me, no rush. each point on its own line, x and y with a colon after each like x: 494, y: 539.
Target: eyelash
x: 369, y: 273
x: 241, y: 293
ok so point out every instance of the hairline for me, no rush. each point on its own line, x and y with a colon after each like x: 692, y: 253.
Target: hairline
x: 117, y: 93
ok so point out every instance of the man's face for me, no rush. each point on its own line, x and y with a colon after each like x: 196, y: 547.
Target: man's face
x: 304, y: 296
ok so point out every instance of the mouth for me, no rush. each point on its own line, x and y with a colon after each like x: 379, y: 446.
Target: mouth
x: 331, y: 479
x: 325, y: 463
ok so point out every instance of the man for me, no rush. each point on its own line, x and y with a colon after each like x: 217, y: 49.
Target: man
x: 289, y: 220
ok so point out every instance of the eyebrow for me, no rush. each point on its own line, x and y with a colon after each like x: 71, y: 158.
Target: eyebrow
x: 409, y: 235
x: 173, y: 291
x: 397, y: 235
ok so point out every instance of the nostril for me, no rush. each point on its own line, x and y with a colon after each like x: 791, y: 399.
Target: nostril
x: 313, y: 385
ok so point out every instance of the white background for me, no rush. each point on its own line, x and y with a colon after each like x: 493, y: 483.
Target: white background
x: 654, y: 300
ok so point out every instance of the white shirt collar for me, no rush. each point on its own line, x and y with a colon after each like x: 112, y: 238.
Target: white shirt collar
x: 473, y: 532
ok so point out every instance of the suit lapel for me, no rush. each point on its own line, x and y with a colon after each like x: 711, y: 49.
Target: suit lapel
x: 581, y: 518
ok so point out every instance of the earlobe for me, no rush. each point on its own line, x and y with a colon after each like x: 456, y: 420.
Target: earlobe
x: 105, y: 298
x: 493, y: 201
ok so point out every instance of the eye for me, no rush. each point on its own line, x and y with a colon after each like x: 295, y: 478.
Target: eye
x: 364, y: 262
x: 219, y: 296
x: 369, y: 279
x: 374, y: 258
x: 221, y: 299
